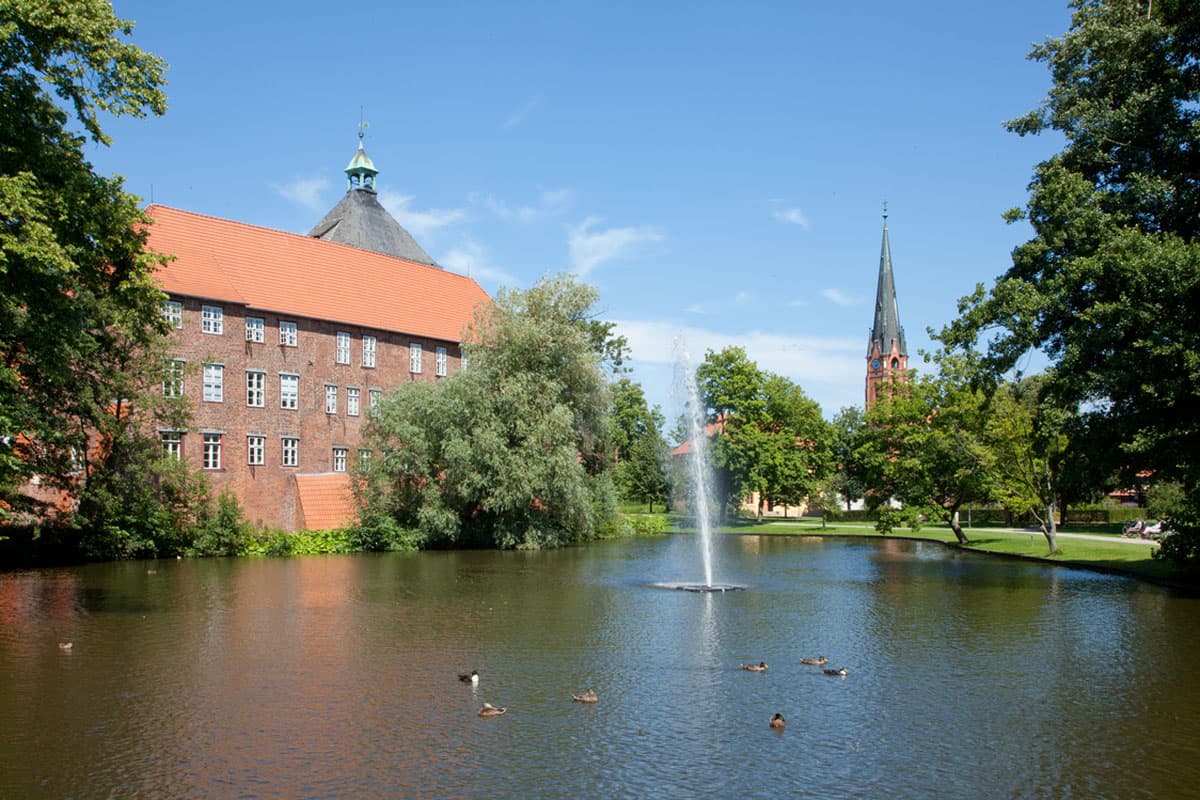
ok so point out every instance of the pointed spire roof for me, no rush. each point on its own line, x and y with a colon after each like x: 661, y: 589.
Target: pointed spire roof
x: 887, y: 328
x: 361, y: 221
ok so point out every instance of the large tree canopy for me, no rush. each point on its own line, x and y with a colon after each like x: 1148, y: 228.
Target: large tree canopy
x: 76, y: 294
x: 1109, y: 286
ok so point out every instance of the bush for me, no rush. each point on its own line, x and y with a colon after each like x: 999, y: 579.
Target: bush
x: 645, y: 524
x: 223, y: 532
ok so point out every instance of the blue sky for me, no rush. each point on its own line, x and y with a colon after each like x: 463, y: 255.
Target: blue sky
x: 716, y: 170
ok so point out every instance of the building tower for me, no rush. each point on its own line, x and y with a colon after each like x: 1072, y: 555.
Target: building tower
x: 887, y: 353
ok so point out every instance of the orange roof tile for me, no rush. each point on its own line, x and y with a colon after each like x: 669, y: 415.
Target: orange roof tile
x: 296, y: 275
x: 326, y: 501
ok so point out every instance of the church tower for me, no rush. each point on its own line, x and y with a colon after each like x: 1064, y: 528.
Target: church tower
x: 887, y: 353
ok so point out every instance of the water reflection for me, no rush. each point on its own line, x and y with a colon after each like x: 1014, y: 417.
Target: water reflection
x: 337, y: 676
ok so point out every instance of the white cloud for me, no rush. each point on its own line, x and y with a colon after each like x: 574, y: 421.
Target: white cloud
x: 591, y: 249
x: 518, y: 114
x: 470, y: 258
x: 419, y: 223
x: 696, y: 308
x: 306, y: 192
x: 838, y: 297
x: 793, y: 216
x: 549, y: 203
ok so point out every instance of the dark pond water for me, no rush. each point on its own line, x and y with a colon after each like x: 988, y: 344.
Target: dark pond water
x: 336, y: 677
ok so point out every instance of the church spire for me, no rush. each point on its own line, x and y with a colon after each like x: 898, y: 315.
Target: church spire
x: 887, y: 352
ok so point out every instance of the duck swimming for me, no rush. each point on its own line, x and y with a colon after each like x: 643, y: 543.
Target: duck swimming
x: 489, y: 710
x: 589, y: 696
x: 777, y: 722
x: 840, y: 671
x: 819, y: 660
x: 759, y: 667
x: 471, y: 677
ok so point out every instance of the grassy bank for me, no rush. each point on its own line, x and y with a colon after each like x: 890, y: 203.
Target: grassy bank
x: 1112, y: 553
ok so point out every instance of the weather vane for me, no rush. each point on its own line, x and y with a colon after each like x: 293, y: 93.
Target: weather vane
x: 362, y: 124
x: 884, y: 205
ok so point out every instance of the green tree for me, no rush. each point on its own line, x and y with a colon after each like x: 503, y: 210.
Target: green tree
x: 644, y: 474
x: 846, y: 482
x: 1109, y: 286
x: 76, y: 288
x: 510, y: 453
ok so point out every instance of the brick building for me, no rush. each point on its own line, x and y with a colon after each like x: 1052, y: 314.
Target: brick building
x: 283, y: 341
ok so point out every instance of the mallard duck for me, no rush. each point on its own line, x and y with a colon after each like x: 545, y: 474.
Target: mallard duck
x: 471, y: 677
x: 840, y: 671
x: 589, y: 696
x: 819, y: 660
x: 489, y: 710
x: 778, y: 722
x: 759, y: 667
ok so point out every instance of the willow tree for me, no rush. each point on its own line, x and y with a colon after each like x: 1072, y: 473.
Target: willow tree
x: 512, y: 452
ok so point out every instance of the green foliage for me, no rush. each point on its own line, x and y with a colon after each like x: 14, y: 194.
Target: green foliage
x: 512, y: 453
x: 1167, y: 500
x: 279, y: 543
x: 222, y: 531
x: 646, y: 525
x: 1109, y: 287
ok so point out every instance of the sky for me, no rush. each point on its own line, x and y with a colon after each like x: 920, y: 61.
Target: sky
x: 716, y: 170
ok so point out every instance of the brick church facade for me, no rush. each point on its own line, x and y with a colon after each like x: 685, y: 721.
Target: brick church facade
x: 283, y: 342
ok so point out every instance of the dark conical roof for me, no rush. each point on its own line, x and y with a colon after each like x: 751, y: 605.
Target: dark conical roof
x: 886, y: 329
x: 360, y: 220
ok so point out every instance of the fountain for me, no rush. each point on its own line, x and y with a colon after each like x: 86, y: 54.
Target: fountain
x: 699, y: 472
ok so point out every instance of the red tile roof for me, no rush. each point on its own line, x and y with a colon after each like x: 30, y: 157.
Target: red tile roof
x: 326, y: 501
x: 296, y: 275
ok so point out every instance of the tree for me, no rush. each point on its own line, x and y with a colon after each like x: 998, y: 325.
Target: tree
x: 644, y: 473
x: 638, y: 448
x: 846, y: 483
x: 76, y: 288
x: 1109, y: 286
x: 510, y: 453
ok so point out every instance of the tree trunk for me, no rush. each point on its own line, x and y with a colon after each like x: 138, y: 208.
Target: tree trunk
x: 759, y: 510
x: 956, y: 526
x: 1050, y: 529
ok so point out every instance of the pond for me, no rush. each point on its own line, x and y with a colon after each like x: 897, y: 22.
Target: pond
x: 331, y: 677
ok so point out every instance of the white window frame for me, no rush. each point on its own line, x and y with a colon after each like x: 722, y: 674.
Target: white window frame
x: 439, y: 362
x: 256, y: 388
x: 353, y: 393
x: 368, y: 357
x: 331, y: 399
x: 373, y: 397
x: 289, y: 391
x: 256, y: 329
x: 340, y: 457
x: 289, y: 451
x: 364, y: 458
x: 173, y: 313
x: 342, y: 355
x: 172, y: 444
x: 256, y: 450
x: 173, y: 379
x: 212, y: 450
x: 414, y: 357
x: 289, y: 334
x: 214, y: 383
x: 462, y: 360
x: 212, y: 320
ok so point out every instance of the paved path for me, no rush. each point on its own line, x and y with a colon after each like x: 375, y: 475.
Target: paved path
x: 1096, y: 537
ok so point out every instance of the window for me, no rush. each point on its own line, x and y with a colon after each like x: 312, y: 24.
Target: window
x: 212, y: 319
x: 462, y: 362
x: 414, y: 357
x: 368, y: 351
x: 173, y: 378
x: 214, y: 383
x: 256, y: 448
x: 339, y: 459
x: 364, y: 458
x: 212, y: 450
x: 173, y: 313
x: 172, y: 444
x: 439, y: 361
x: 352, y: 393
x: 289, y: 391
x: 255, y: 329
x: 256, y: 388
x: 343, y: 347
x: 373, y: 396
x: 287, y: 334
x: 290, y: 449
x: 330, y: 399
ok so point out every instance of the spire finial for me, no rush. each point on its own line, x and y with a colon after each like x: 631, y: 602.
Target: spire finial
x: 884, y: 210
x: 362, y: 127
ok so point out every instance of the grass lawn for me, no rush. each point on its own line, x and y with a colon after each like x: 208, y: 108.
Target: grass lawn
x: 1132, y: 557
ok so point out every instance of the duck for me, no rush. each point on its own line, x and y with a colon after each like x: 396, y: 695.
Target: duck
x: 65, y: 646
x: 589, y: 696
x: 819, y: 660
x: 489, y: 710
x: 840, y: 671
x: 778, y: 722
x: 471, y: 677
x: 759, y: 667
